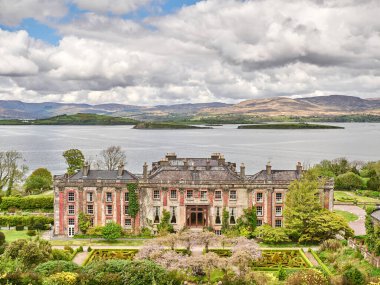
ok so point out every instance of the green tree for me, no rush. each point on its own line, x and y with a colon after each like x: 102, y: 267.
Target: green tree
x: 112, y: 231
x: 301, y: 204
x: 39, y: 181
x: 11, y: 170
x: 133, y: 206
x: 247, y: 222
x: 165, y: 227
x: 74, y: 159
x: 272, y: 235
x: 84, y: 222
x: 348, y: 181
x: 353, y: 276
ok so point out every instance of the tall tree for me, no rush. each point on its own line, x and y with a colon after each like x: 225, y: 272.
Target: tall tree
x: 11, y: 169
x: 74, y: 159
x: 113, y: 157
x: 40, y: 180
x: 301, y: 205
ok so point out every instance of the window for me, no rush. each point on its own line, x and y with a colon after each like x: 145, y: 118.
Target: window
x: 218, y: 232
x: 259, y: 197
x: 278, y: 223
x: 189, y: 194
x: 173, y: 218
x: 71, y: 210
x: 218, y: 195
x: 109, y: 210
x: 233, y: 195
x: 126, y: 210
x: 218, y: 220
x: 156, y: 213
x: 278, y: 197
x: 203, y: 195
x: 259, y: 223
x: 90, y: 209
x: 71, y: 197
x: 126, y: 197
x: 156, y: 194
x: 173, y: 194
x: 128, y: 223
x: 71, y: 222
x: 109, y: 197
x: 90, y: 197
x: 232, y: 216
x: 259, y: 211
x: 278, y: 211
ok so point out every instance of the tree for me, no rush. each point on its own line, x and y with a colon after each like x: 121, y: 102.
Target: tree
x: 39, y: 181
x: 353, y: 276
x: 84, y: 222
x: 301, y: 204
x: 348, y: 181
x: 133, y: 206
x: 272, y: 235
x: 113, y: 157
x: 243, y: 253
x: 74, y: 159
x: 112, y: 231
x: 165, y: 227
x: 247, y: 222
x: 205, y: 238
x: 11, y: 169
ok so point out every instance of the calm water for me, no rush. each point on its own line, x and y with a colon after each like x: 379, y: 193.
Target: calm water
x: 43, y: 145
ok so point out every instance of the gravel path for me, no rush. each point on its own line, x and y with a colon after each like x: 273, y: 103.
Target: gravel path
x: 359, y: 225
x: 80, y: 257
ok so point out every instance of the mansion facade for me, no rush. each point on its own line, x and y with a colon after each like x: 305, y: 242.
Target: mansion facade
x: 195, y: 191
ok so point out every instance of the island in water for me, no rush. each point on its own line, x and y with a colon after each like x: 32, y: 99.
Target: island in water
x: 287, y: 126
x: 165, y: 126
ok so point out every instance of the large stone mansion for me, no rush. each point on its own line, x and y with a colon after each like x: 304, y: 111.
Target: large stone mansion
x: 194, y: 190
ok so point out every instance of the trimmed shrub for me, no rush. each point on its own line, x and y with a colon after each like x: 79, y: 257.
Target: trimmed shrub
x: 32, y: 222
x: 31, y: 233
x: 59, y: 254
x: 353, y: 276
x: 112, y: 231
x: 52, y: 267
x: 348, y: 181
x: 80, y: 249
x: 89, y: 249
x: 27, y: 203
x: 68, y: 248
x: 2, y: 238
x: 19, y: 228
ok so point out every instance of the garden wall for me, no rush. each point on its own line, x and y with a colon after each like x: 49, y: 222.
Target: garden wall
x: 371, y: 258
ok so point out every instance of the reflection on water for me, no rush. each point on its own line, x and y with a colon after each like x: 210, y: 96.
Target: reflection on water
x: 43, y: 145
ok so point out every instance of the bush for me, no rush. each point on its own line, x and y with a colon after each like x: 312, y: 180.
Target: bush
x: 62, y: 278
x: 281, y: 274
x: 309, y: 277
x: 353, y: 276
x: 68, y: 248
x: 112, y: 231
x: 89, y: 249
x: 31, y: 233
x: 2, y: 238
x: 374, y: 183
x: 32, y: 222
x: 19, y: 228
x: 59, y: 254
x: 272, y: 235
x: 348, y: 181
x: 95, y: 231
x: 52, y: 267
x: 80, y: 249
x: 27, y: 203
x: 331, y: 244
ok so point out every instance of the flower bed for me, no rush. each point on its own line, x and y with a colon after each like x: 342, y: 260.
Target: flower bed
x: 105, y: 254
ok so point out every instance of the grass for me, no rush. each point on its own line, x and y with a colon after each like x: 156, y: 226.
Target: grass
x: 349, y: 217
x: 349, y: 195
x: 12, y: 235
x: 85, y: 242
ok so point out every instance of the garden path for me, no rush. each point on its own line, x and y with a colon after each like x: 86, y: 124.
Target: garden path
x: 80, y: 257
x: 359, y: 225
x: 311, y: 258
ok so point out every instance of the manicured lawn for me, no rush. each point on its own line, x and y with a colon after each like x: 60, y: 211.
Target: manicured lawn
x: 85, y: 242
x: 12, y: 235
x: 349, y: 217
x: 348, y: 195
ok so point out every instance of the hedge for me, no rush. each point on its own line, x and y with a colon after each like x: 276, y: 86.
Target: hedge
x: 321, y: 264
x: 27, y: 203
x: 29, y: 221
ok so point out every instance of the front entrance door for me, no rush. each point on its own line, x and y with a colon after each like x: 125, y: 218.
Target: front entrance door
x: 196, y: 216
x: 71, y: 231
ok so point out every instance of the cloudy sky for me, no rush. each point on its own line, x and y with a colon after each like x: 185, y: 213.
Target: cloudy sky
x: 150, y: 52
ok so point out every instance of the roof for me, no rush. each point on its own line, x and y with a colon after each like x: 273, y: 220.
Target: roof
x: 376, y: 214
x: 276, y: 175
x: 103, y: 175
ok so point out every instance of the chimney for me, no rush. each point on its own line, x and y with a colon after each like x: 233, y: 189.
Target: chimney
x: 171, y: 156
x: 164, y: 162
x: 86, y: 169
x: 120, y: 170
x: 242, y: 170
x: 145, y: 171
x: 208, y: 164
x: 221, y: 160
x: 299, y: 168
x: 215, y: 156
x: 269, y: 169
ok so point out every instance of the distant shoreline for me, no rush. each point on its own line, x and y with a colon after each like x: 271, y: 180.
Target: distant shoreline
x: 288, y: 126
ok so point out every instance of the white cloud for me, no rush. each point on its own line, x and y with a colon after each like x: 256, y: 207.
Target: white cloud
x: 115, y: 6
x: 216, y: 50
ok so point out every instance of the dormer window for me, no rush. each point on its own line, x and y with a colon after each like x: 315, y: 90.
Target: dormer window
x: 189, y: 194
x: 233, y: 195
x: 156, y: 195
x: 109, y: 197
x: 218, y: 195
x: 71, y: 197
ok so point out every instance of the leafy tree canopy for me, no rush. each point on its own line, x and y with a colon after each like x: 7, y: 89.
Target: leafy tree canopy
x: 74, y: 159
x: 39, y: 181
